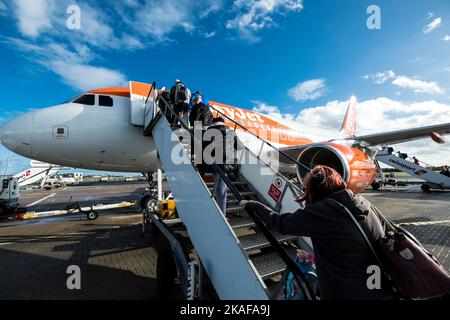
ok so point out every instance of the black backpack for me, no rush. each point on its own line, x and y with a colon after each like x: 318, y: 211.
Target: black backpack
x: 181, y: 94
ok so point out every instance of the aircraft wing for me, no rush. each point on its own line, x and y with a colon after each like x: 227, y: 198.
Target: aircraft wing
x: 436, y: 132
x: 399, y: 136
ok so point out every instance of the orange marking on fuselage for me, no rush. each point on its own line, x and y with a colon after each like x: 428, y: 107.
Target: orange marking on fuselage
x: 141, y: 89
x: 260, y: 125
x: 115, y: 91
x: 255, y: 122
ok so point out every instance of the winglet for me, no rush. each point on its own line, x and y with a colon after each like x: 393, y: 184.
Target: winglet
x: 349, y: 125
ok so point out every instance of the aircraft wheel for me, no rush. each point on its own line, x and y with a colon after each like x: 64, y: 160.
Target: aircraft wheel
x: 425, y: 188
x: 149, y: 203
x: 376, y: 186
x: 166, y: 272
x: 92, y: 215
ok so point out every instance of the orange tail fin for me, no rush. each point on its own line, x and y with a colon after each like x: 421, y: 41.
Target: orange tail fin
x: 349, y: 125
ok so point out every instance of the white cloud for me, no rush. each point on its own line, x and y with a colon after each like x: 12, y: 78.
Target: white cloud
x: 33, y: 17
x: 272, y: 111
x: 447, y: 69
x: 380, y: 77
x: 208, y: 35
x: 85, y: 77
x: 159, y: 19
x: 156, y: 21
x: 254, y: 15
x: 376, y: 115
x: 74, y: 67
x: 418, y: 86
x: 446, y: 38
x: 209, y: 7
x: 308, y: 90
x: 426, y: 60
x: 436, y: 23
x: 71, y: 54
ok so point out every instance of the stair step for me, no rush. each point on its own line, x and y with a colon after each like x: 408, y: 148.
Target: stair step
x: 241, y: 222
x: 234, y: 183
x: 243, y: 194
x: 235, y: 209
x: 270, y: 264
x: 258, y: 240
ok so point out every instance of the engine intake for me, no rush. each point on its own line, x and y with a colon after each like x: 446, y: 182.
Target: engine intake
x: 323, y: 154
x: 354, y: 165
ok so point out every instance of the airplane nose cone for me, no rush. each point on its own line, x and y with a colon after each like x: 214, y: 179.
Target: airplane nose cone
x: 16, y: 134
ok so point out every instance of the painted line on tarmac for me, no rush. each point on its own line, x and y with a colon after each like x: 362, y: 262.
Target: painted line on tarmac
x: 427, y: 223
x: 40, y: 200
x: 64, y: 237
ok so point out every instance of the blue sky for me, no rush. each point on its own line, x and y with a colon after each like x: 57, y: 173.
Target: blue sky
x: 296, y: 60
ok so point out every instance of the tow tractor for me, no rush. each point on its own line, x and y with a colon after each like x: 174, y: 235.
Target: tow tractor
x: 9, y: 195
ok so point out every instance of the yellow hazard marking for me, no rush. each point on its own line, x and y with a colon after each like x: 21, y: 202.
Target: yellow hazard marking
x: 126, y: 204
x: 30, y: 216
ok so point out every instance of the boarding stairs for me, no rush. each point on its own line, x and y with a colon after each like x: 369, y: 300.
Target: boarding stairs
x: 434, y: 180
x: 239, y: 254
x: 34, y: 175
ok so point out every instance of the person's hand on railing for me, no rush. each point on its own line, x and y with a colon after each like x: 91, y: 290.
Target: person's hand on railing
x: 243, y: 203
x: 299, y: 198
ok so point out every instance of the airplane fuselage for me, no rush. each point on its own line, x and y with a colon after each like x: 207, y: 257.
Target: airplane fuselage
x: 102, y: 138
x: 97, y: 130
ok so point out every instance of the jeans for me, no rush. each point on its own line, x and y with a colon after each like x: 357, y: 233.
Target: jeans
x: 220, y: 194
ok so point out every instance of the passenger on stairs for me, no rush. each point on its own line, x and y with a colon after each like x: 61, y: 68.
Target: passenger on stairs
x: 198, y: 93
x: 221, y: 146
x: 200, y: 112
x: 180, y: 97
x: 341, y: 253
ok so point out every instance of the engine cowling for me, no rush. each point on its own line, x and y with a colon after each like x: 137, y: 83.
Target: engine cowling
x: 356, y: 168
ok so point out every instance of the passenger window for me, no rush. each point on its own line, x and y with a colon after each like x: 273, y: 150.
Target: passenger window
x: 105, y: 101
x: 87, y: 99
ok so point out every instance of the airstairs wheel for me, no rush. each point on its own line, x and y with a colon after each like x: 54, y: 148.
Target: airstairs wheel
x: 166, y: 272
x: 92, y: 215
x: 376, y: 185
x: 425, y: 187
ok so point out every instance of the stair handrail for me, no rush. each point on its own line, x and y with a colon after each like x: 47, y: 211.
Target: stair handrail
x: 237, y: 124
x: 290, y: 263
x: 427, y: 165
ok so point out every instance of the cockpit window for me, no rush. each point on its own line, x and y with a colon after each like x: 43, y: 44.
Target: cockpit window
x: 105, y: 101
x: 86, y: 99
x: 71, y: 99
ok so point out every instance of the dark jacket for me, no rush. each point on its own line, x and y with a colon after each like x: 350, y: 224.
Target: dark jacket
x: 342, y: 255
x: 200, y: 112
x: 228, y: 144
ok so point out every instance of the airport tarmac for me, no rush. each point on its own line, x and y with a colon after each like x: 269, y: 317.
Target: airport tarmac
x: 116, y: 262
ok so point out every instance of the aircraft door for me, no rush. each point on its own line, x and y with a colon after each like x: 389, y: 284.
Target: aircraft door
x: 150, y: 106
x: 138, y: 96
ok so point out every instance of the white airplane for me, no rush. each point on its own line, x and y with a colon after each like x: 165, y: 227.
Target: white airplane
x: 101, y: 130
x: 37, y: 172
